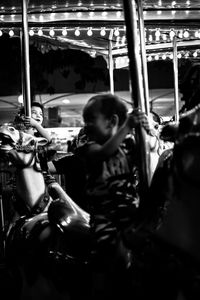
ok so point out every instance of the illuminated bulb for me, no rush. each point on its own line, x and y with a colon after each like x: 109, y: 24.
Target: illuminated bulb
x: 186, y: 34
x: 195, y: 54
x: 52, y: 32
x: 77, y: 32
x: 20, y: 99
x: 91, y: 13
x: 172, y: 34
x: 156, y: 57
x: 79, y: 14
x: 173, y: 3
x: 64, y: 32
x: 104, y: 13
x: 171, y: 56
x: 118, y: 14
x: 149, y: 58
x: 31, y: 32
x: 164, y: 56
x: 89, y: 32
x: 1, y: 33
x: 40, y: 33
x: 116, y: 32
x: 11, y: 33
x: 157, y: 34
x: 150, y: 38
x: 179, y: 55
x: 196, y: 34
x: 103, y: 32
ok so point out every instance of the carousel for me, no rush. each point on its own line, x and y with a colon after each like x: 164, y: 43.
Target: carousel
x: 46, y: 243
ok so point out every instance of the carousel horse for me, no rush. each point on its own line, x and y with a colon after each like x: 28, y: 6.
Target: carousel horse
x: 166, y: 249
x: 48, y: 240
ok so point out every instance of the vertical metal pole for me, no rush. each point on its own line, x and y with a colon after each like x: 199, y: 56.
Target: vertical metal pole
x: 25, y: 60
x: 137, y: 90
x: 175, y: 67
x: 143, y: 54
x: 110, y: 62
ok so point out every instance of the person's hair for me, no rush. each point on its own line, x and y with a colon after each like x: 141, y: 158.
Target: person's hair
x: 108, y: 105
x: 37, y: 104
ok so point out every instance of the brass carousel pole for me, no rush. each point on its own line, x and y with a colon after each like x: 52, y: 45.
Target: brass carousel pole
x: 25, y: 60
x: 110, y: 61
x: 137, y: 92
x: 143, y: 54
x: 175, y: 67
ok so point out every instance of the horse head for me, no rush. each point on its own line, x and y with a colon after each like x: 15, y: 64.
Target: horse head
x: 19, y: 146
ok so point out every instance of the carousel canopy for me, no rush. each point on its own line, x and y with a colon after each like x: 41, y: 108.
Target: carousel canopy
x: 89, y: 25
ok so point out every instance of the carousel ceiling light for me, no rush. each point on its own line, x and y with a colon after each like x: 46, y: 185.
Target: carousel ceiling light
x: 156, y: 57
x: 150, y: 38
x: 31, y: 32
x: 160, y: 3
x: 91, y: 4
x: 187, y: 2
x: 52, y: 16
x: 103, y: 31
x: 186, y: 34
x: 41, y: 18
x: 149, y: 58
x: 171, y: 34
x: 171, y: 56
x: 116, y: 32
x: 104, y: 13
x: 33, y: 17
x: 179, y: 55
x: 40, y: 32
x: 118, y: 14
x: 91, y: 13
x: 79, y: 14
x: 11, y: 33
x: 195, y: 54
x: 52, y: 32
x: 173, y: 3
x: 64, y: 32
x: 80, y: 3
x: 1, y: 33
x: 173, y: 12
x: 164, y: 56
x: 159, y: 12
x: 89, y: 32
x: 77, y: 32
x: 197, y: 34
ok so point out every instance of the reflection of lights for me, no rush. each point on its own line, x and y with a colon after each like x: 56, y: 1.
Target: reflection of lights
x: 20, y: 99
x: 66, y: 101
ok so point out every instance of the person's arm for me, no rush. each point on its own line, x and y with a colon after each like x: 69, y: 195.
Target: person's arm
x: 42, y: 131
x: 100, y: 152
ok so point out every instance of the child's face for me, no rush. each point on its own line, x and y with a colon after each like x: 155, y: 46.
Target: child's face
x: 37, y: 114
x: 98, y: 127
